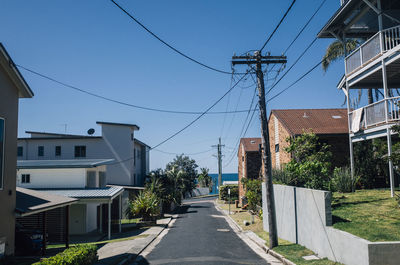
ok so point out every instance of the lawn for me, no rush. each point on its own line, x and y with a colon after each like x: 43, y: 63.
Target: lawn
x: 370, y: 214
x: 291, y: 251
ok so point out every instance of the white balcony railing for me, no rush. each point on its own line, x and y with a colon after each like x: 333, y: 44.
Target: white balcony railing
x: 372, y: 48
x: 375, y: 115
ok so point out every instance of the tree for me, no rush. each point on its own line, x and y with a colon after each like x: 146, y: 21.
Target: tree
x: 184, y: 170
x: 204, y: 179
x: 335, y: 51
x: 310, y: 165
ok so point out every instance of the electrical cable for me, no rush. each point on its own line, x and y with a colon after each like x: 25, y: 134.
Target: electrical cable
x: 121, y: 102
x: 169, y: 45
x: 277, y: 26
x: 190, y: 154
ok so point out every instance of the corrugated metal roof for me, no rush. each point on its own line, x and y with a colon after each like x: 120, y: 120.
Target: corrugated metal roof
x: 32, y: 201
x: 71, y: 163
x: 320, y: 121
x: 90, y: 193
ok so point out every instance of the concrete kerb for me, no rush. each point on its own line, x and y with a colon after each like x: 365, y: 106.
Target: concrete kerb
x: 256, y: 239
x: 132, y: 257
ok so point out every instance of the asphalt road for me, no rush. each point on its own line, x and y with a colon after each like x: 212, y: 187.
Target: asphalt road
x: 201, y: 235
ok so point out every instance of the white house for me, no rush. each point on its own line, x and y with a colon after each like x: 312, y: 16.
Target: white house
x: 83, y: 179
x: 116, y: 142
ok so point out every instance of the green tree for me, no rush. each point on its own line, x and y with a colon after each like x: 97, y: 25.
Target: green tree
x: 204, y: 179
x: 184, y: 170
x: 310, y: 165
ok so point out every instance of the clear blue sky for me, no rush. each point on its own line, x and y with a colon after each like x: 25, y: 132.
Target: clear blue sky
x: 94, y: 46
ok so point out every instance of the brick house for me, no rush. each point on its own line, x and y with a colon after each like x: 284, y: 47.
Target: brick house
x: 249, y: 161
x: 330, y: 125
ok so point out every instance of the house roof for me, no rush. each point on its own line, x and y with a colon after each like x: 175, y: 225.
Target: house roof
x: 134, y: 126
x: 320, y: 121
x: 250, y: 144
x: 24, y: 91
x: 31, y: 201
x: 89, y: 193
x: 71, y: 163
x: 141, y: 143
x: 50, y: 135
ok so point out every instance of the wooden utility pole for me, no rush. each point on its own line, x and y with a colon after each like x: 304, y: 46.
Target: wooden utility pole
x: 219, y: 147
x: 258, y: 60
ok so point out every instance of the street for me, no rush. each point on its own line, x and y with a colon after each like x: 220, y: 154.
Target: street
x: 200, y: 235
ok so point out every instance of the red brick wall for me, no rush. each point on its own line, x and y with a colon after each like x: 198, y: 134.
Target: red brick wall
x: 284, y: 157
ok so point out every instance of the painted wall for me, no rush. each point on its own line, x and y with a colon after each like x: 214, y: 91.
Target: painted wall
x: 304, y: 217
x: 53, y: 178
x: 116, y: 143
x: 91, y: 216
x: 9, y: 112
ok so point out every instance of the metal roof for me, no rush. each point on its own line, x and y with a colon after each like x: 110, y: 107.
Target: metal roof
x: 119, y: 124
x: 89, y: 193
x: 72, y: 163
x: 58, y: 135
x: 32, y: 201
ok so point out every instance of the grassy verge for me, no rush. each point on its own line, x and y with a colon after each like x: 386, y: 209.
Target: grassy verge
x: 130, y: 221
x: 292, y: 252
x: 98, y: 242
x: 370, y: 214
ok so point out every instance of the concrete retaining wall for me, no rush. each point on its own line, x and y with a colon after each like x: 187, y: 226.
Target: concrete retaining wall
x: 304, y: 217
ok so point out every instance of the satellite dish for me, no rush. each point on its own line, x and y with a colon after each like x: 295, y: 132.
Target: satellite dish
x: 90, y: 131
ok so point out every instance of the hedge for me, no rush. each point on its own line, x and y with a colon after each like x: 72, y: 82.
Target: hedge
x: 78, y: 255
x: 223, y: 192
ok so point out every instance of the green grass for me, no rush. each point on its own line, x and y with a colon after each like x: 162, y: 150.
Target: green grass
x: 98, y: 242
x: 369, y: 214
x: 291, y: 251
x: 130, y: 221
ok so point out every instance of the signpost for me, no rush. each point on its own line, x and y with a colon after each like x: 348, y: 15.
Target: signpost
x: 229, y: 193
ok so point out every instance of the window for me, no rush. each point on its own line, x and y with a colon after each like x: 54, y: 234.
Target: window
x: 20, y: 151
x: 134, y: 157
x: 25, y: 178
x: 2, y: 132
x: 40, y: 150
x: 276, y: 148
x: 58, y: 150
x: 80, y: 151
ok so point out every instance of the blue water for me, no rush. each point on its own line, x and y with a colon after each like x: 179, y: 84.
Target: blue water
x: 225, y: 177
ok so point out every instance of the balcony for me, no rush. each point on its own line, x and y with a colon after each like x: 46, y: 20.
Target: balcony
x: 374, y: 115
x: 375, y: 46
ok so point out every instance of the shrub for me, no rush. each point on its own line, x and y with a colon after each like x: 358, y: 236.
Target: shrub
x: 78, y: 255
x: 253, y: 193
x: 282, y: 176
x: 342, y: 181
x: 223, y: 192
x: 146, y: 205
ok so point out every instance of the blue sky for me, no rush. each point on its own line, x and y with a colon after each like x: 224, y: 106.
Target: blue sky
x: 94, y: 46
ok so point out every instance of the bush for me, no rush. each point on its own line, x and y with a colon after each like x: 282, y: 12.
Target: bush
x: 146, y: 205
x: 253, y: 193
x: 223, y: 192
x: 79, y: 255
x: 282, y: 176
x: 341, y: 180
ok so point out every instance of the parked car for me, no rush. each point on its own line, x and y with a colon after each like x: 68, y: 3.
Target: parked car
x: 27, y: 240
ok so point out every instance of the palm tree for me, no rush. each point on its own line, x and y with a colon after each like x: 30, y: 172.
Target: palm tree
x: 335, y: 51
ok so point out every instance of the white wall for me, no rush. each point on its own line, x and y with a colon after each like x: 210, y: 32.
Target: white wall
x: 53, y: 178
x: 91, y: 217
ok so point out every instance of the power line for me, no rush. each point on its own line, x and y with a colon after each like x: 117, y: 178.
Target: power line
x: 190, y: 154
x: 295, y: 82
x: 201, y: 115
x: 121, y: 102
x: 169, y: 45
x: 277, y: 26
x: 290, y: 68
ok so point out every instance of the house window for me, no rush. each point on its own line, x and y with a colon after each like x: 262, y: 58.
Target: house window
x: 134, y: 157
x: 80, y: 151
x: 20, y: 151
x: 25, y: 178
x: 40, y: 150
x: 58, y: 150
x: 2, y: 132
x: 276, y: 148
